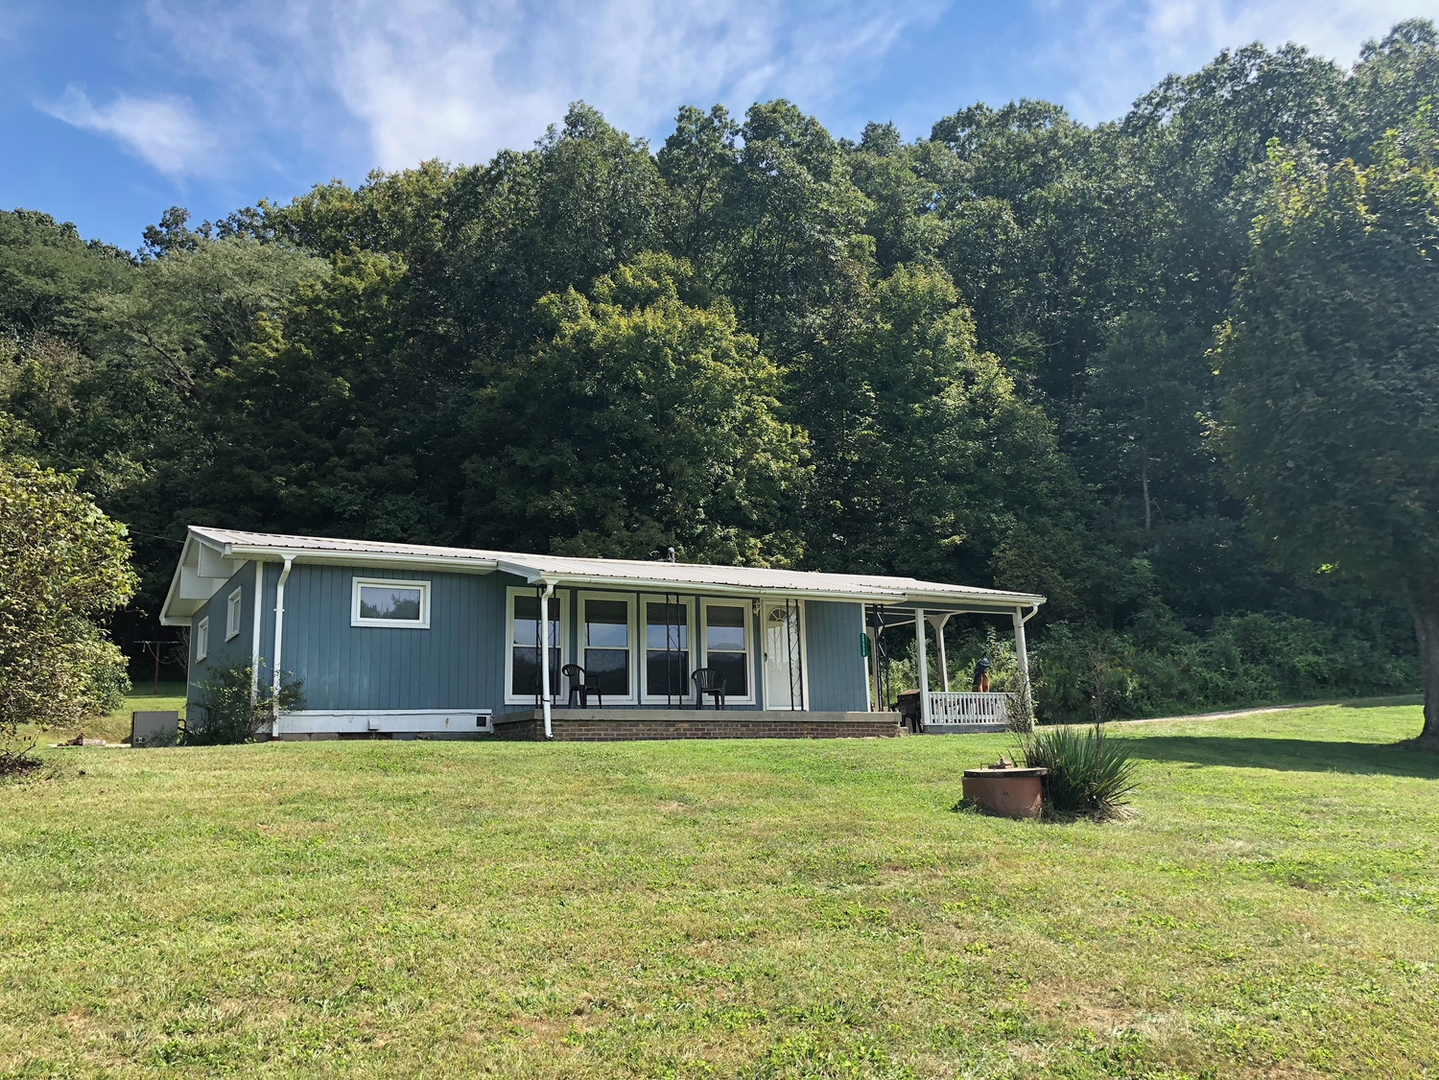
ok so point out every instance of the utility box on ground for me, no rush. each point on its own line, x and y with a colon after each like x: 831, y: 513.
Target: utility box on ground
x: 154, y: 728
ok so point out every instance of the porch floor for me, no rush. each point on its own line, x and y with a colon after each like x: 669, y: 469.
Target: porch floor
x: 606, y: 725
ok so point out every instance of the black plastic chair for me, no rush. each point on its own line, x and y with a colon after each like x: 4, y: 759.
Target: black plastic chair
x: 579, y: 685
x: 708, y: 681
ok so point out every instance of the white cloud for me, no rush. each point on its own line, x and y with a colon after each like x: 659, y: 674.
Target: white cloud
x: 460, y: 80
x: 166, y: 132
x: 1114, y: 51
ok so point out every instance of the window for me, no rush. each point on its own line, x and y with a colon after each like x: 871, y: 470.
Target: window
x: 232, y: 615
x: 202, y: 638
x: 391, y: 603
x: 522, y: 674
x: 727, y: 647
x: 605, y: 643
x: 667, y: 650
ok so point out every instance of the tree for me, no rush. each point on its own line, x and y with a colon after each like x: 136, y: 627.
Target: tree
x: 1331, y: 414
x: 63, y: 566
x: 927, y: 458
x: 334, y: 417
x: 646, y: 420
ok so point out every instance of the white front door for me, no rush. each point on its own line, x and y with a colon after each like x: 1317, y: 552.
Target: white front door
x: 783, y: 657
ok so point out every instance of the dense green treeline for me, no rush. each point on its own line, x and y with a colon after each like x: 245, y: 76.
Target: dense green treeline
x: 984, y: 355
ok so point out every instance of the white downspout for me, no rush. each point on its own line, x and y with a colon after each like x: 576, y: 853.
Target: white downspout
x: 545, y: 657
x: 874, y: 672
x: 922, y: 647
x: 279, y: 640
x: 255, y: 633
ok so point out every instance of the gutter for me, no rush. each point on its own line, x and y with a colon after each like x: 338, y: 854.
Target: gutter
x: 279, y: 640
x: 346, y: 558
x: 703, y: 588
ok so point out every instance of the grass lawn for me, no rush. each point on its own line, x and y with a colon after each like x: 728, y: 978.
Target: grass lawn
x: 757, y: 909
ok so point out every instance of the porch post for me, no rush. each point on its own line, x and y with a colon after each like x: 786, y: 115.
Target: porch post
x: 545, y: 657
x: 922, y: 648
x: 940, y: 622
x: 1021, y: 649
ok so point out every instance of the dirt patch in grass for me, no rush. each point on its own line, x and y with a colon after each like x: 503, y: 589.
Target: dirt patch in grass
x: 16, y: 763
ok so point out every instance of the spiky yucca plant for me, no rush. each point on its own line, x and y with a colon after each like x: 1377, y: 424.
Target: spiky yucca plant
x: 1089, y: 774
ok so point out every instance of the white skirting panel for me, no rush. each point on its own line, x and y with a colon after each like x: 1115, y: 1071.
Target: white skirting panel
x: 422, y: 721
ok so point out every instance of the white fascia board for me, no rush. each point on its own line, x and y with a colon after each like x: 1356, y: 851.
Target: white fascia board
x: 702, y: 588
x: 984, y: 603
x: 396, y: 559
x: 185, y: 567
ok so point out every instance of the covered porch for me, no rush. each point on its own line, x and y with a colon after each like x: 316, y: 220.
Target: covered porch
x: 940, y: 705
x: 801, y: 653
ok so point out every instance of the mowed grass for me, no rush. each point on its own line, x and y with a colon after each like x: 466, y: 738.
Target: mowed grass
x: 756, y: 909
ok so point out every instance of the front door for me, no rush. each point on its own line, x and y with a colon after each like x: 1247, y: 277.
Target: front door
x: 783, y: 658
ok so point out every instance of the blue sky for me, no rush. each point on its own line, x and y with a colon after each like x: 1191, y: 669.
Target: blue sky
x: 113, y: 110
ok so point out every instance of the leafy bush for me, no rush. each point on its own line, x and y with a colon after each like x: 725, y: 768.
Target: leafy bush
x: 228, y: 714
x: 64, y: 567
x: 1158, y: 666
x: 1089, y: 775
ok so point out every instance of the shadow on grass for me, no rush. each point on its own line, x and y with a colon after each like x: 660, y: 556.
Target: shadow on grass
x: 1382, y: 702
x: 1291, y: 755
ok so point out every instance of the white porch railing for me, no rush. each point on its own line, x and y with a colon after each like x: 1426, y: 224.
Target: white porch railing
x: 959, y: 709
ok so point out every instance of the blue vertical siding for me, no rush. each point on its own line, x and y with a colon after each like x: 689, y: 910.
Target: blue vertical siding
x: 459, y: 661
x: 833, y: 632
x: 223, y: 653
x: 454, y: 664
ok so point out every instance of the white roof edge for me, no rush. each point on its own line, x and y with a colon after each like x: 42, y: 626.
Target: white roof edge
x: 392, y: 558
x: 852, y: 588
x: 166, y: 619
x: 533, y: 574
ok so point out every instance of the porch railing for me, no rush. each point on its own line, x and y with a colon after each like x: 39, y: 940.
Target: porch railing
x: 958, y: 709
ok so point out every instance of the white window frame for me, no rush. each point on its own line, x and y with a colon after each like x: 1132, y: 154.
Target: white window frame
x: 628, y: 599
x: 358, y: 583
x: 749, y: 642
x: 687, y: 693
x: 233, y: 614
x: 202, y: 639
x: 557, y: 693
x: 803, y: 656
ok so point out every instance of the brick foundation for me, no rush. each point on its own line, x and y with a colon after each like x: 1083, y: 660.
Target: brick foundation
x: 626, y: 726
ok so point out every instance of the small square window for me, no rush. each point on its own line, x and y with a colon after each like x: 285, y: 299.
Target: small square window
x: 391, y: 603
x: 232, y: 615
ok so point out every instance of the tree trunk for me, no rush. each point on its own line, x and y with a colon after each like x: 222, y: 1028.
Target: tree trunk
x: 1148, y: 510
x: 1426, y: 629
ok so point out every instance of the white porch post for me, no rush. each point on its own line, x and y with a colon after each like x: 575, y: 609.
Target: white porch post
x: 940, y: 622
x: 922, y: 648
x: 545, y: 657
x: 1021, y: 649
x: 872, y: 670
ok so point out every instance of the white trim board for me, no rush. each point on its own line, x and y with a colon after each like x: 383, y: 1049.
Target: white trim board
x: 430, y: 721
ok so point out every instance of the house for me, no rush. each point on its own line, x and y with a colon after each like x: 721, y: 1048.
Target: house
x: 405, y: 640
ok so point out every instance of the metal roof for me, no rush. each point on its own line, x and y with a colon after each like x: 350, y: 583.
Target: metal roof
x: 236, y: 546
